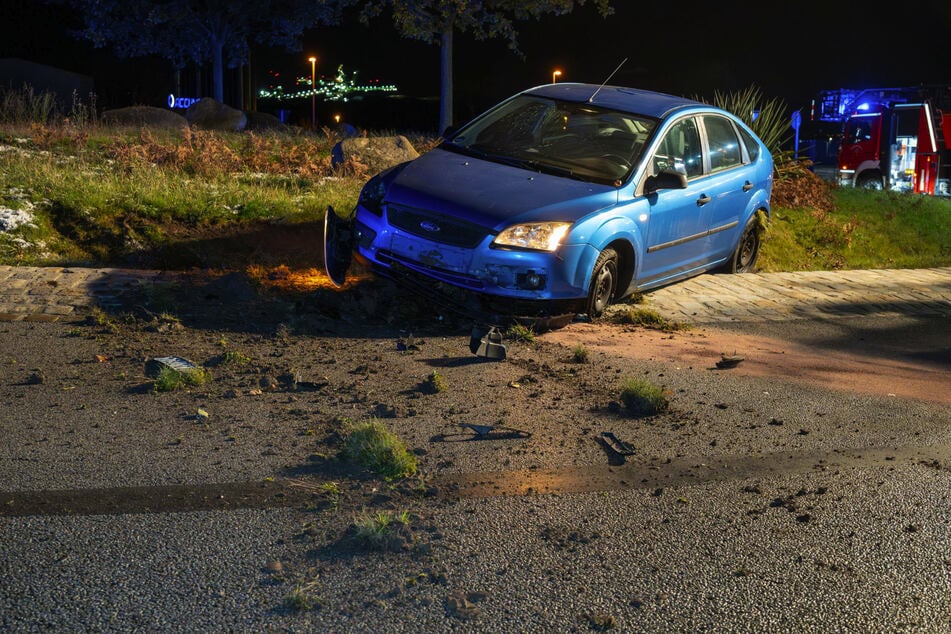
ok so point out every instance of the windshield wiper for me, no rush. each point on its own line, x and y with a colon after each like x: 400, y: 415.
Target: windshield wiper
x: 547, y: 168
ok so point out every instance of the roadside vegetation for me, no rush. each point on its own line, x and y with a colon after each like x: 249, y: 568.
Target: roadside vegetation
x: 73, y: 192
x: 640, y: 397
x: 372, y: 445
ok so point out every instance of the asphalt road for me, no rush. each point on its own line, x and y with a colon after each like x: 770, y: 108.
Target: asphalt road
x: 771, y: 506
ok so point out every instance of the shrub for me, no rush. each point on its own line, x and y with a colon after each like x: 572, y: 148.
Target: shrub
x: 170, y: 379
x: 434, y: 383
x: 644, y: 317
x: 772, y: 123
x: 380, y: 530
x: 642, y: 398
x: 372, y: 445
x: 520, y: 332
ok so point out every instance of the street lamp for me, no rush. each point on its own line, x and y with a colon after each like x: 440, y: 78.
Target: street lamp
x: 313, y: 92
x: 555, y: 75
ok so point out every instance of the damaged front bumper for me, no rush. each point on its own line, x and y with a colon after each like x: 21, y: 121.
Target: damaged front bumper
x: 493, y: 285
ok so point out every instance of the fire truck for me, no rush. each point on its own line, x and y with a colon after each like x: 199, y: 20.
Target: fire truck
x: 897, y: 139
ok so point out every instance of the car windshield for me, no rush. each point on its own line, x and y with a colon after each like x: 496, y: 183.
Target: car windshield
x: 577, y: 140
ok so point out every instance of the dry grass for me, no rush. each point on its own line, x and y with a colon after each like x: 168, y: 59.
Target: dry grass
x: 210, y: 154
x: 797, y: 187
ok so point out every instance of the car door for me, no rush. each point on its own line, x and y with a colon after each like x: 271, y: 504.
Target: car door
x: 728, y: 185
x: 675, y: 234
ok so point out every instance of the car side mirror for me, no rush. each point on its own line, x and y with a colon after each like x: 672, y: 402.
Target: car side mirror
x: 666, y: 179
x: 449, y: 131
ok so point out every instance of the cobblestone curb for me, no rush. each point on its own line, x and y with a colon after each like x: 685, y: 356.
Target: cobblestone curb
x: 53, y: 293
x: 805, y: 295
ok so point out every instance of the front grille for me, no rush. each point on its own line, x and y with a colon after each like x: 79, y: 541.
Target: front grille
x: 436, y: 227
x: 458, y: 279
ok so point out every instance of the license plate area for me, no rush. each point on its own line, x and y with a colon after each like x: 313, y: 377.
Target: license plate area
x: 431, y: 254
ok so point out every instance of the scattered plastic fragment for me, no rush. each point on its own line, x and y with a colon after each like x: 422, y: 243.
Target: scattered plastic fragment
x: 483, y: 432
x: 729, y: 361
x: 154, y: 366
x: 616, y: 444
x: 486, y: 342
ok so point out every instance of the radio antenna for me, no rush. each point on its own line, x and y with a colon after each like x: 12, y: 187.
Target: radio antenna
x: 591, y: 98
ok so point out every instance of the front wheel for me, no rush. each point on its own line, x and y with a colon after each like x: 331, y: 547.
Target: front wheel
x: 747, y: 250
x: 603, y: 285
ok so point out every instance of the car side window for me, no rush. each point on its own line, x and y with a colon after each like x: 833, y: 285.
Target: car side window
x: 752, y: 147
x: 679, y: 150
x: 724, y: 145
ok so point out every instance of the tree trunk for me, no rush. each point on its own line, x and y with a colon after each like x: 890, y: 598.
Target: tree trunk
x: 240, y: 86
x: 445, y: 97
x: 218, y: 71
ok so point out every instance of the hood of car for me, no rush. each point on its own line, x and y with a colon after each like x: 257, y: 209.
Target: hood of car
x: 491, y: 194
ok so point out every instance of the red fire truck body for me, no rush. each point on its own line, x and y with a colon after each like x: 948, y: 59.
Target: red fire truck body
x: 892, y: 138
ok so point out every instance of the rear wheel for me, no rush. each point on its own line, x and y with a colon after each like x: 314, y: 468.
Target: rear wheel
x: 747, y: 250
x: 603, y: 287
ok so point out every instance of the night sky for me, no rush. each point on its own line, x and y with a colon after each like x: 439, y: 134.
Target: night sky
x: 790, y: 53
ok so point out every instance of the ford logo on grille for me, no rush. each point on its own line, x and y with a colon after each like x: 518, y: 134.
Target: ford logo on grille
x: 427, y: 225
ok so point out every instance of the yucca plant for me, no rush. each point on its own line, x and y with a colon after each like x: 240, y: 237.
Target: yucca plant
x: 771, y: 123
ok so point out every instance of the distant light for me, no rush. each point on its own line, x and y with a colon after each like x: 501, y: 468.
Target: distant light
x: 863, y: 106
x: 340, y: 88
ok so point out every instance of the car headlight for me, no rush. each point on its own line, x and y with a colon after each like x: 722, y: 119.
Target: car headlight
x: 371, y: 196
x: 541, y: 236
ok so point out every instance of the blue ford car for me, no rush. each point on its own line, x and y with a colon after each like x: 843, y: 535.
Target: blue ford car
x: 561, y: 200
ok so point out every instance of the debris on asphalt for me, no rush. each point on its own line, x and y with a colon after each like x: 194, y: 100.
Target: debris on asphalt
x: 408, y: 344
x: 153, y: 367
x: 486, y: 342
x: 616, y: 444
x: 483, y: 432
x: 729, y: 361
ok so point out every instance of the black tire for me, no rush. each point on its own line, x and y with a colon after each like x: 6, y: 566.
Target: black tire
x: 747, y: 249
x: 870, y: 181
x: 603, y: 287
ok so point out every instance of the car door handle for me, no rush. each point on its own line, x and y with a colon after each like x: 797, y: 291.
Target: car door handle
x: 703, y: 200
x: 747, y: 186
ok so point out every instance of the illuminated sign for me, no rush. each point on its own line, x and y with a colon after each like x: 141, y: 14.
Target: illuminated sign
x: 180, y: 102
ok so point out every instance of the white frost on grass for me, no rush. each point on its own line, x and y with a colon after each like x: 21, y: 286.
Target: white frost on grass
x: 11, y: 219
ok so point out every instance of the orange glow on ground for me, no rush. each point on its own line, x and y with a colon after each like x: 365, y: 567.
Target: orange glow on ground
x: 284, y: 278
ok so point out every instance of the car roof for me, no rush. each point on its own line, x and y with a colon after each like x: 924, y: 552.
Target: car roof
x: 634, y: 100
